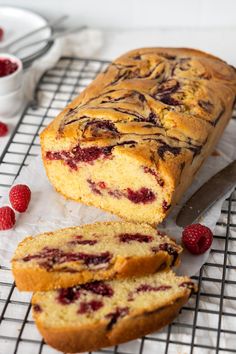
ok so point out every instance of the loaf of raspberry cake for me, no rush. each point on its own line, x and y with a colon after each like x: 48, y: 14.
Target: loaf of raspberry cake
x: 98, y: 251
x: 99, y: 314
x: 133, y: 140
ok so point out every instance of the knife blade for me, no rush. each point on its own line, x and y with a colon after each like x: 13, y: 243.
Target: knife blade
x: 215, y: 188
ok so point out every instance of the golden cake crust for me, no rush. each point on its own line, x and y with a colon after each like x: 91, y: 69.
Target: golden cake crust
x: 93, y: 337
x: 59, y: 312
x: 171, y: 103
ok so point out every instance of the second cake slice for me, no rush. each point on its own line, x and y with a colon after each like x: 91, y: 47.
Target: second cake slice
x: 87, y: 253
x: 104, y: 313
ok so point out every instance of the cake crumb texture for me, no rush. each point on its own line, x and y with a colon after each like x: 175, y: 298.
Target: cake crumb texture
x: 99, y: 314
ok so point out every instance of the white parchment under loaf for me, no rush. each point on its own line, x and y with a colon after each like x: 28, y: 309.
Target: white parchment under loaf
x: 49, y: 211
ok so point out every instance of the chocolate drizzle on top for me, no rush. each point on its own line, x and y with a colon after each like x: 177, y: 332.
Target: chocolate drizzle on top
x: 167, y: 56
x: 167, y: 148
x: 218, y: 117
x: 71, y: 112
x: 206, y: 105
x: 167, y: 87
x: 134, y: 104
x: 165, y: 90
x: 184, y: 64
x: 195, y: 149
x: 167, y: 99
x: 103, y: 128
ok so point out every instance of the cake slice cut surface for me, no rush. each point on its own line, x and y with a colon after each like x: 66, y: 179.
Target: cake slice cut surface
x: 103, y: 313
x: 91, y: 252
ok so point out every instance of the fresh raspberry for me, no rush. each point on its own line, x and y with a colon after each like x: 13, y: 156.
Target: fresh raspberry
x: 1, y: 34
x: 20, y: 197
x: 7, y: 218
x: 3, y: 129
x: 197, y: 238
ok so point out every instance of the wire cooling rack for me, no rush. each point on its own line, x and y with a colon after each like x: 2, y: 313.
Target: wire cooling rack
x: 207, y: 324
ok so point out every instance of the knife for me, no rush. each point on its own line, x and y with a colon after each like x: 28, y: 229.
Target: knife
x: 215, y: 188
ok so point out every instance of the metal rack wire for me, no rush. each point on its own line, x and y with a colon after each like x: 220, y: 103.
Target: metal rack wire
x: 206, y: 325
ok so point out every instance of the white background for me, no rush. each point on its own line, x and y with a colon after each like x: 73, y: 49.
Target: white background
x: 138, y: 13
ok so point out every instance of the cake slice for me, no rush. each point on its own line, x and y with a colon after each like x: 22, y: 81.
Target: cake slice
x: 104, y: 313
x: 91, y: 252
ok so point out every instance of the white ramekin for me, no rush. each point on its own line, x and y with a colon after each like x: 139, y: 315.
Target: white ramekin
x: 11, y: 103
x: 12, y: 82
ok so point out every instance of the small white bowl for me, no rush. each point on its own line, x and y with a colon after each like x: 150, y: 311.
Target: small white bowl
x: 11, y: 103
x: 12, y: 82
